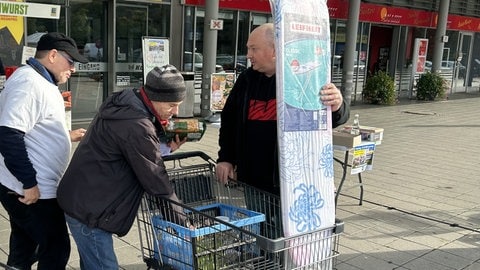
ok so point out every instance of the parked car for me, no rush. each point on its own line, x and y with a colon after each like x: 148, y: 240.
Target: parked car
x: 462, y: 70
x: 476, y: 68
x: 226, y: 61
x: 428, y: 66
x: 447, y: 66
x: 188, y: 60
x: 358, y: 66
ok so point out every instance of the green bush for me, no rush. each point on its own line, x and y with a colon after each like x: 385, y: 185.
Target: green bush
x: 430, y: 86
x: 379, y: 89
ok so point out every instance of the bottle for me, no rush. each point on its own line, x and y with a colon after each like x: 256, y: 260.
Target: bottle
x: 356, y: 126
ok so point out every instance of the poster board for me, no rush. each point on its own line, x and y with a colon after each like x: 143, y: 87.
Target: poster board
x: 221, y: 85
x: 418, y: 60
x: 362, y: 158
x: 155, y: 52
x: 420, y: 54
x: 27, y: 52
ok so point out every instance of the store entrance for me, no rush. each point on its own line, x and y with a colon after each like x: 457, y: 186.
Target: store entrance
x: 380, y: 48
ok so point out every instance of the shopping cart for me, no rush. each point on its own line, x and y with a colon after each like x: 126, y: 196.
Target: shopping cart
x: 233, y: 226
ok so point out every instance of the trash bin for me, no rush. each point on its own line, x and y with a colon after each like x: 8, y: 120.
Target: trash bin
x: 186, y: 108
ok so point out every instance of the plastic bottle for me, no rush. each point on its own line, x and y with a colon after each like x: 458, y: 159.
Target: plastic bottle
x: 356, y: 126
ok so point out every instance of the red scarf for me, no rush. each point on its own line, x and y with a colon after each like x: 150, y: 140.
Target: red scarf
x: 150, y: 106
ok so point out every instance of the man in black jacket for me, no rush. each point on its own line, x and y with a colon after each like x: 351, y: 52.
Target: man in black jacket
x: 118, y: 159
x: 248, y: 132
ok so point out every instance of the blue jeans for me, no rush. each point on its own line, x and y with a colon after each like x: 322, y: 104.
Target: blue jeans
x: 95, y: 246
x: 38, y: 232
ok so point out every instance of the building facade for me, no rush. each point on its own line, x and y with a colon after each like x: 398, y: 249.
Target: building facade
x: 110, y: 34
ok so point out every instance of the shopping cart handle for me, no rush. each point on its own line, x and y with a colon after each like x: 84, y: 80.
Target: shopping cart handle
x: 184, y: 155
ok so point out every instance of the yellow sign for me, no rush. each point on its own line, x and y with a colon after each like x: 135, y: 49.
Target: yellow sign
x: 14, y: 24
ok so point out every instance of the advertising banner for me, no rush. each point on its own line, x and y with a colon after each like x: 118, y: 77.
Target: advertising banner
x: 362, y: 158
x: 29, y: 10
x: 420, y: 54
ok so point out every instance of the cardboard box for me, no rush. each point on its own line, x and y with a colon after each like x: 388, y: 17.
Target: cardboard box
x: 369, y: 134
x: 346, y: 139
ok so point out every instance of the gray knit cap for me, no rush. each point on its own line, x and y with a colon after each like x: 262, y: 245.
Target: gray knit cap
x: 165, y: 84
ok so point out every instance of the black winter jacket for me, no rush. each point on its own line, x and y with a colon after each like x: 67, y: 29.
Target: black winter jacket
x: 116, y: 161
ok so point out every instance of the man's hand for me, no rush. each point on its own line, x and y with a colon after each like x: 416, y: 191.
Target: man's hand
x: 330, y: 95
x: 77, y: 134
x: 224, y: 171
x: 30, y: 195
x: 175, y: 144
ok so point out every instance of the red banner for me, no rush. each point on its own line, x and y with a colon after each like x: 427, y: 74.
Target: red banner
x: 251, y: 5
x: 338, y: 9
x: 456, y: 22
x: 395, y: 15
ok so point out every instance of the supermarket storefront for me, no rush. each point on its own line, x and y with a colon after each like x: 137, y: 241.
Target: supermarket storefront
x: 110, y: 34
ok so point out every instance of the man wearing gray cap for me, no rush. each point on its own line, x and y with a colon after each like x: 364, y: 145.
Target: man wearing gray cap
x: 35, y: 148
x: 117, y: 161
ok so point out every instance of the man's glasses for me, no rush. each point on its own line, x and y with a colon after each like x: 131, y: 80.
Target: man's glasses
x: 68, y: 58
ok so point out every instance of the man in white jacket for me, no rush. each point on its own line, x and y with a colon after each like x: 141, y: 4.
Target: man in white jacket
x: 35, y: 148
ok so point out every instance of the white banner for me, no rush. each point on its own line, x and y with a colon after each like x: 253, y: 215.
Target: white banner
x: 29, y: 10
x: 156, y: 53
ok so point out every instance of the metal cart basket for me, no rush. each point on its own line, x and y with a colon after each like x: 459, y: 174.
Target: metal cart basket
x: 233, y: 226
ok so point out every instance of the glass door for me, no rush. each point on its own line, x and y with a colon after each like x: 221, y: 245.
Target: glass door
x: 88, y: 84
x: 466, y: 68
x: 132, y: 23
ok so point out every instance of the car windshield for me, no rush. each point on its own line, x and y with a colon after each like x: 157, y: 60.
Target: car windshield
x: 198, y: 57
x: 362, y: 63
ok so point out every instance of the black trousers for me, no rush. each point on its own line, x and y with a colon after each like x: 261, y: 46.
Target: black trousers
x: 38, y: 232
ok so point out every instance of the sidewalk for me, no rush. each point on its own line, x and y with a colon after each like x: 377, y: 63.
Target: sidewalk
x: 421, y: 207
